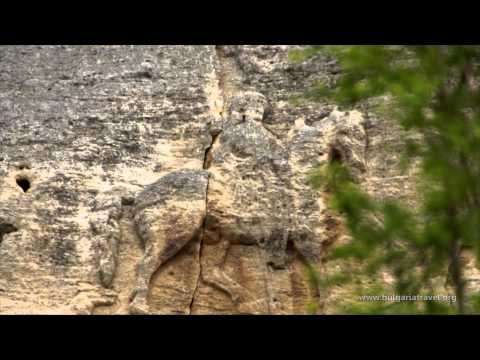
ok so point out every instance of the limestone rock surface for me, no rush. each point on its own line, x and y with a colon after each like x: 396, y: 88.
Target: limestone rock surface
x: 171, y: 179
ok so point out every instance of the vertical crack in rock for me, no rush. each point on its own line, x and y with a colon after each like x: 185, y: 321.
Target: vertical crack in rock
x: 206, y: 164
x: 202, y: 234
x: 224, y: 93
x: 207, y: 161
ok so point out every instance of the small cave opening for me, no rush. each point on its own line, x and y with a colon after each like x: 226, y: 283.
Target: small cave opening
x: 128, y: 201
x: 335, y: 157
x: 5, y: 229
x: 23, y: 183
x: 291, y: 250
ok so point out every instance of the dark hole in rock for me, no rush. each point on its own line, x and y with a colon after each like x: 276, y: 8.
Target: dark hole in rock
x: 144, y: 74
x: 290, y: 249
x: 335, y: 156
x: 24, y: 183
x: 128, y: 201
x: 244, y: 118
x: 6, y: 229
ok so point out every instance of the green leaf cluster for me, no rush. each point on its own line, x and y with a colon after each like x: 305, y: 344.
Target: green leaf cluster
x: 434, y: 92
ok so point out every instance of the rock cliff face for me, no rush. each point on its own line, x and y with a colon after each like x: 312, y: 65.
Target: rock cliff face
x: 171, y: 179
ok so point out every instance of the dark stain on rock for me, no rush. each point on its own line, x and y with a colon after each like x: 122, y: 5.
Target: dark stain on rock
x: 62, y: 252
